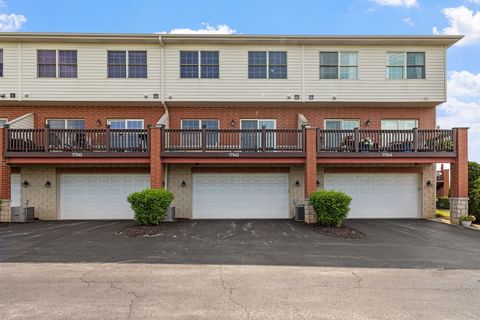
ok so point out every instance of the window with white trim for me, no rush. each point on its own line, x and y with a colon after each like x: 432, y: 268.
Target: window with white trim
x: 405, y: 65
x: 275, y: 60
x: 48, y: 66
x: 399, y: 124
x: 66, y: 123
x: 331, y: 67
x: 3, y: 121
x: 125, y: 123
x: 118, y: 60
x: 341, y: 124
x: 193, y: 138
x: 199, y: 64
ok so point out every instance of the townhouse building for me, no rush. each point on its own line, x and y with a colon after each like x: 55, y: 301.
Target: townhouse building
x: 236, y: 126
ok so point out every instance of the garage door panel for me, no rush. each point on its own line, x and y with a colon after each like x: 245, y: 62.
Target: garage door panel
x: 240, y: 196
x: 379, y: 195
x: 99, y: 196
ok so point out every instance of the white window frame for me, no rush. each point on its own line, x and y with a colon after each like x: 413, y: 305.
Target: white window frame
x: 127, y: 64
x: 200, y: 123
x: 65, y: 120
x: 405, y: 66
x: 57, y: 63
x: 339, y: 64
x: 342, y: 120
x: 267, y: 76
x: 199, y: 66
x: 398, y: 122
x: 5, y: 122
x: 260, y: 128
x: 109, y: 121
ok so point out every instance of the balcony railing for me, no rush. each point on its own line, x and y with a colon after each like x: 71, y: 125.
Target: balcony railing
x: 387, y: 141
x: 233, y: 140
x: 94, y: 142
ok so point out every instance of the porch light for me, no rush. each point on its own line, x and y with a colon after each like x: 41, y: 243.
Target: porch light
x: 368, y: 123
x: 98, y: 122
x: 183, y: 184
x: 48, y: 184
x: 429, y: 183
x: 232, y: 123
x: 25, y: 184
x: 297, y: 184
x: 318, y: 183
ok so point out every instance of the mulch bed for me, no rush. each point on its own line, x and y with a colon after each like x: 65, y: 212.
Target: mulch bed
x: 137, y: 230
x: 343, y: 232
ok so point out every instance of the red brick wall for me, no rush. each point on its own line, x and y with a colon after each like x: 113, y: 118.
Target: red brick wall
x: 459, y: 169
x: 4, y: 171
x: 149, y: 114
x: 310, y: 161
x: 287, y: 116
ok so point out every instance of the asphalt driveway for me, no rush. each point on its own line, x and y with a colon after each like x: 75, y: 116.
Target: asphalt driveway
x: 389, y: 244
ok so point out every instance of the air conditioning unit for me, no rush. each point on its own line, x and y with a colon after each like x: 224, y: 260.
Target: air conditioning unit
x: 23, y: 214
x: 170, y: 215
x: 300, y: 212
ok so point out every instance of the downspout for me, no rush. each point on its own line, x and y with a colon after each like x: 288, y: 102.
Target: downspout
x: 162, y: 98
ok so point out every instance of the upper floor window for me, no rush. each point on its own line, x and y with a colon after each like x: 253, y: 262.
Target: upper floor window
x: 117, y: 64
x: 208, y: 61
x: 67, y: 64
x: 47, y: 63
x: 1, y: 62
x: 413, y: 67
x: 275, y: 60
x: 137, y: 64
x: 331, y: 67
x: 66, y: 123
x: 399, y: 124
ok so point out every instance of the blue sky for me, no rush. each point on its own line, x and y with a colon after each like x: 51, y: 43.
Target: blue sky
x: 282, y: 17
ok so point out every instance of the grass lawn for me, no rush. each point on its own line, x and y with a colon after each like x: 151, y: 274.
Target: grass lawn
x: 442, y: 213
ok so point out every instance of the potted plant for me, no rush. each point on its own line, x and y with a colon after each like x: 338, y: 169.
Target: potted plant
x: 366, y: 144
x: 467, y: 220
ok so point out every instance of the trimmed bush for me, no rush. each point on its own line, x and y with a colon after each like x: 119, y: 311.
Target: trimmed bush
x: 150, y: 205
x: 443, y: 203
x: 331, y: 207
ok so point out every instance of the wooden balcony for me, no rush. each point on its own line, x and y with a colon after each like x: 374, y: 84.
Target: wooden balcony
x: 386, y: 143
x: 76, y: 143
x: 233, y: 143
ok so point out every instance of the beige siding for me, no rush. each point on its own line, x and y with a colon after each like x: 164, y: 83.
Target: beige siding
x: 233, y: 84
x: 26, y: 121
x: 9, y: 82
x: 372, y: 84
x: 92, y: 83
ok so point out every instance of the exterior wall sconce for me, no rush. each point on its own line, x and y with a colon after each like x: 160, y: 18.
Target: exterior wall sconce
x: 297, y: 184
x: 368, y: 123
x: 318, y: 183
x: 25, y: 184
x: 429, y: 183
x: 48, y: 184
x: 98, y: 122
x: 183, y: 184
x: 232, y: 123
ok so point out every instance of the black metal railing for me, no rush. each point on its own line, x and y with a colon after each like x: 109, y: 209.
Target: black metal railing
x: 415, y: 140
x: 233, y: 140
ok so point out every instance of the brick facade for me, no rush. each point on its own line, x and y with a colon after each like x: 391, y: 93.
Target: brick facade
x: 4, y: 182
x: 459, y: 178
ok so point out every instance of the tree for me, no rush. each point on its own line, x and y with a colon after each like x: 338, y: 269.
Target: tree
x: 474, y: 189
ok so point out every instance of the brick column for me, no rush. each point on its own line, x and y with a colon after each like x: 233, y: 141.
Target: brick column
x: 310, y: 171
x: 446, y: 183
x: 156, y: 165
x: 4, y: 181
x: 459, y: 177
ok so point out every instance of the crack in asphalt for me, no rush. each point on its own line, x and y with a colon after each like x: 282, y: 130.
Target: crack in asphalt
x: 112, y: 285
x: 228, y: 288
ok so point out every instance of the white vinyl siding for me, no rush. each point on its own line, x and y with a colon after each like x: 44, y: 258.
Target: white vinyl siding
x: 92, y: 83
x: 9, y: 81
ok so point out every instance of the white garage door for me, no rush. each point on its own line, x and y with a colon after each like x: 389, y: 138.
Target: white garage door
x: 240, y: 196
x: 395, y: 195
x: 99, y: 196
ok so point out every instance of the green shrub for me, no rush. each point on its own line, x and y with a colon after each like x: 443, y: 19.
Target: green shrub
x: 474, y: 189
x: 443, y: 203
x: 468, y: 218
x: 150, y: 205
x: 331, y: 207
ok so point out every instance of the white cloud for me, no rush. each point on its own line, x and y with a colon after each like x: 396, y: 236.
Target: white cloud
x: 10, y: 22
x: 397, y: 3
x: 463, y: 107
x: 475, y: 1
x: 206, y: 29
x: 464, y: 21
x: 409, y: 21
